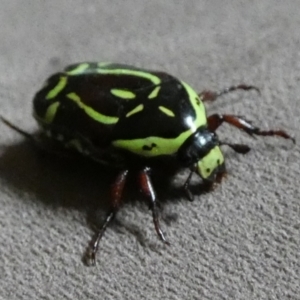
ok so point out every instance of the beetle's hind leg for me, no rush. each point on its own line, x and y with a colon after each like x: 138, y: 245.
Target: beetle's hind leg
x: 216, y: 120
x: 116, y: 194
x: 208, y: 95
x: 42, y: 142
x: 26, y: 134
x: 147, y: 189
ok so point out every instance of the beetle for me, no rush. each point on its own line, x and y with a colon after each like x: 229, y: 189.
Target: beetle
x: 136, y: 120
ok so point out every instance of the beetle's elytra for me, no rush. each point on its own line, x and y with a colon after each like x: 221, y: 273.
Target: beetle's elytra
x: 135, y: 120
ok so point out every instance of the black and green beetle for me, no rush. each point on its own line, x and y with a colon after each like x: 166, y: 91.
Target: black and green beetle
x: 135, y: 120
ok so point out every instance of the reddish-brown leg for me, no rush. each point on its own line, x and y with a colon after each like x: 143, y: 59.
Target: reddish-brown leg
x: 147, y: 189
x: 208, y: 95
x: 116, y: 194
x: 214, y: 121
x: 239, y: 148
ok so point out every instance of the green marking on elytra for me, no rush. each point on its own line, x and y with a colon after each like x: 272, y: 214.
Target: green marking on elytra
x: 104, y: 64
x: 166, y: 146
x: 91, y: 112
x: 79, y: 69
x: 51, y: 112
x: 154, y: 79
x: 124, y: 94
x: 200, y: 119
x: 163, y: 146
x: 166, y: 111
x: 210, y: 162
x: 154, y: 93
x: 135, y: 110
x: 58, y: 88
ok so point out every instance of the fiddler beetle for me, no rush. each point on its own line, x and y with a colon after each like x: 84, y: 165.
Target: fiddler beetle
x: 134, y: 120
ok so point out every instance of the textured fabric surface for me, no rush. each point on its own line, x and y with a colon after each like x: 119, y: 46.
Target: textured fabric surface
x: 241, y: 241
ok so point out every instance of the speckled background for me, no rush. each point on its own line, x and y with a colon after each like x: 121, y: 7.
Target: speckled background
x: 240, y: 242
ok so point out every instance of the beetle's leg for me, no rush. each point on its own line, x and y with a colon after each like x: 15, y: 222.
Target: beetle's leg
x: 35, y: 140
x: 147, y: 189
x: 41, y: 142
x: 208, y: 95
x: 116, y: 194
x: 220, y: 175
x: 214, y: 121
x: 239, y: 148
x: 27, y: 135
x: 186, y: 187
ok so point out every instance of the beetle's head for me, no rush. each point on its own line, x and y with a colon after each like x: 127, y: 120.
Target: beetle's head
x: 201, y: 151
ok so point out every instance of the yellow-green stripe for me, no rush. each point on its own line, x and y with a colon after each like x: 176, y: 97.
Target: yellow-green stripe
x: 58, y: 88
x: 135, y: 110
x: 51, y: 112
x: 200, y: 112
x: 91, y: 112
x: 78, y: 69
x: 164, y: 146
x: 124, y: 94
x: 154, y: 93
x: 166, y: 111
x: 156, y: 80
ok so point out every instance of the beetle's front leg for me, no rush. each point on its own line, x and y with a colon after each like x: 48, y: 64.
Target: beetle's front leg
x: 216, y: 120
x: 206, y: 186
x: 116, y: 194
x: 186, y: 186
x: 148, y: 190
x: 208, y: 95
x: 239, y: 148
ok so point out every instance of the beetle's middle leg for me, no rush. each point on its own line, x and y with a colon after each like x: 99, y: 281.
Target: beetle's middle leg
x: 216, y: 120
x: 116, y: 200
x: 148, y: 190
x: 208, y: 95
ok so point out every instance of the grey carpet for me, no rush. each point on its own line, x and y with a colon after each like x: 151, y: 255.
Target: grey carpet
x: 240, y: 241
